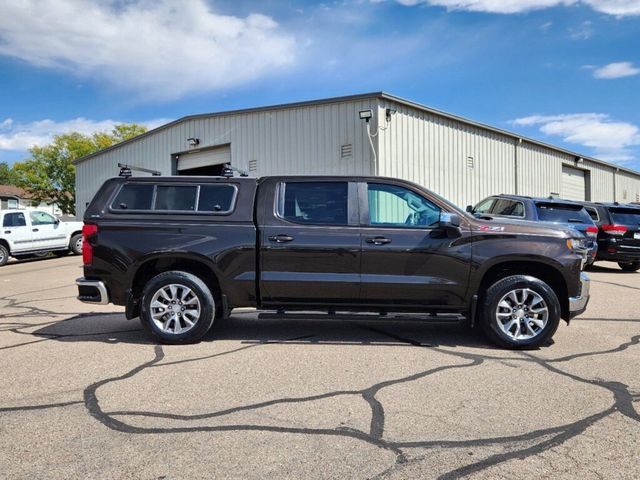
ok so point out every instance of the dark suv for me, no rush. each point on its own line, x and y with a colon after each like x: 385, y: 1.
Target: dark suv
x: 618, y: 233
x: 550, y: 210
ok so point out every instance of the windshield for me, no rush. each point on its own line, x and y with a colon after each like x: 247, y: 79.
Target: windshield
x: 562, y: 213
x: 625, y: 216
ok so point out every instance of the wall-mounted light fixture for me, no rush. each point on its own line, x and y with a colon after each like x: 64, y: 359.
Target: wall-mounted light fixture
x: 193, y: 142
x: 388, y: 112
x: 366, y: 115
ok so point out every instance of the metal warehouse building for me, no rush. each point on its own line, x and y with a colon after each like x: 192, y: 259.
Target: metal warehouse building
x: 460, y: 159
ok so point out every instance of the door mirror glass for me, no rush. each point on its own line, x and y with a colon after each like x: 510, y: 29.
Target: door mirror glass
x: 449, y: 220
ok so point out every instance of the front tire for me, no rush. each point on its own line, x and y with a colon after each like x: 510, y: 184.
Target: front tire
x: 4, y: 255
x: 177, y: 307
x: 520, y: 312
x: 630, y: 266
x: 75, y: 245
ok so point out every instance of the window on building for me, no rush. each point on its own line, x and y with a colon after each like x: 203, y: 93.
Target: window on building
x: 12, y: 203
x: 14, y: 220
x: 394, y: 206
x: 320, y: 203
x: 41, y: 218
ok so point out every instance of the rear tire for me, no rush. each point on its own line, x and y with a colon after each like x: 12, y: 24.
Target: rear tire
x: 75, y: 245
x: 520, y: 312
x: 177, y: 307
x: 629, y: 267
x: 4, y: 255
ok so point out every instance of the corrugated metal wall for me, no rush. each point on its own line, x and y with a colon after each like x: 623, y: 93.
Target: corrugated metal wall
x: 287, y: 141
x: 627, y: 188
x: 465, y: 163
x: 460, y: 162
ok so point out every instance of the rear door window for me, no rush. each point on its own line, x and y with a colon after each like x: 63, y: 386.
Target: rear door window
x: 625, y: 216
x: 14, y: 220
x: 509, y: 208
x: 593, y: 213
x: 317, y: 203
x: 562, y: 213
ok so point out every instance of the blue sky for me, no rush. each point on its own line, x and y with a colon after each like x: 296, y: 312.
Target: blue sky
x: 563, y: 71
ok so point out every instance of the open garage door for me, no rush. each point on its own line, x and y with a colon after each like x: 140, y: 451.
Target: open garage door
x: 204, y: 162
x: 573, y: 184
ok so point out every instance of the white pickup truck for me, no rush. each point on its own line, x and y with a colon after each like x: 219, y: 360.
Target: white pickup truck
x: 32, y: 232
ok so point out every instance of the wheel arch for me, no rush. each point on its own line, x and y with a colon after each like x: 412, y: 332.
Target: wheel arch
x: 544, y: 271
x: 197, y: 265
x: 5, y: 244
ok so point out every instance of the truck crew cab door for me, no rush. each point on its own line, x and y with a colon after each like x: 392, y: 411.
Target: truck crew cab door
x: 47, y: 231
x: 309, y: 242
x: 408, y: 259
x: 16, y: 232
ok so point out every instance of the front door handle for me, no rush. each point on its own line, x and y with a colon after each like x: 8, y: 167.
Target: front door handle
x: 7, y: 232
x: 281, y: 238
x: 34, y: 230
x: 379, y: 240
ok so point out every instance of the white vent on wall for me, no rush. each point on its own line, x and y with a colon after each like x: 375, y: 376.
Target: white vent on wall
x: 253, y: 165
x: 624, y: 195
x: 470, y: 162
x: 346, y: 151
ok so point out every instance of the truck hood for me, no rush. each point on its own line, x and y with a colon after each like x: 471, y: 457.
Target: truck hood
x: 505, y: 225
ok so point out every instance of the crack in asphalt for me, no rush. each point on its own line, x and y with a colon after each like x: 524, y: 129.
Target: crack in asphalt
x: 520, y: 446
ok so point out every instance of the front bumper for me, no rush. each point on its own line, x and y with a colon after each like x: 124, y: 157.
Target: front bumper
x: 92, y: 291
x: 578, y: 304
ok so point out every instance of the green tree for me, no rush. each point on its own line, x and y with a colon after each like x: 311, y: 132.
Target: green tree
x: 50, y: 175
x: 7, y: 176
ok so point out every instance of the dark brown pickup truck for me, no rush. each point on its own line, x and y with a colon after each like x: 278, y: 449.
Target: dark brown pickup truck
x: 181, y: 251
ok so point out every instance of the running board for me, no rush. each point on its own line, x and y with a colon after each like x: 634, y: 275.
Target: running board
x: 366, y: 317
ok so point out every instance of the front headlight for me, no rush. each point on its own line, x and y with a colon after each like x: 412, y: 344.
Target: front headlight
x: 578, y: 245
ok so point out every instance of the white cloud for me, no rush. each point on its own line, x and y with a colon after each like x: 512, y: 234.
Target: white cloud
x: 155, y: 49
x: 616, y: 70
x: 22, y: 136
x: 584, y: 31
x: 611, y: 7
x: 619, y: 8
x: 610, y: 139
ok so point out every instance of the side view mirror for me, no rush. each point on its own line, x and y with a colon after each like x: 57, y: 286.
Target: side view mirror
x: 56, y: 221
x: 449, y: 219
x: 469, y: 208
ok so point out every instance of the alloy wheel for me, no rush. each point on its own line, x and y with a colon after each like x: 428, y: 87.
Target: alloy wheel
x: 175, y: 308
x: 522, y: 314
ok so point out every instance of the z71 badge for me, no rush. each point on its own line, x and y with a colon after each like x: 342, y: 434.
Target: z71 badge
x: 491, y: 228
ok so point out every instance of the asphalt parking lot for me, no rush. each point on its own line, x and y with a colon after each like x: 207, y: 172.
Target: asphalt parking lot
x: 86, y: 394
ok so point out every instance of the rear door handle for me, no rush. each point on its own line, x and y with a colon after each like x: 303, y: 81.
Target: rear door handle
x: 7, y: 231
x: 281, y: 238
x: 34, y: 230
x: 379, y: 240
